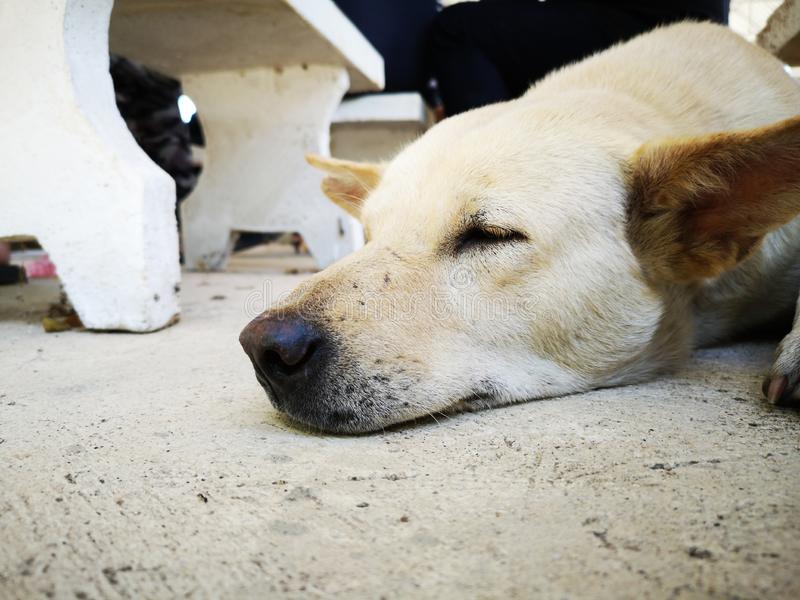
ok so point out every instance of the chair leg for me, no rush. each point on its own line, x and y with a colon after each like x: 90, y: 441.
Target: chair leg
x: 77, y: 180
x: 259, y: 123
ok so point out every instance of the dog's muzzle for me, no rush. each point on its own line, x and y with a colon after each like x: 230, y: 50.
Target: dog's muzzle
x: 293, y: 360
x: 284, y: 350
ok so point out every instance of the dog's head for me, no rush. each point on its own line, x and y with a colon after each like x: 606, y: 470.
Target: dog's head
x: 513, y: 256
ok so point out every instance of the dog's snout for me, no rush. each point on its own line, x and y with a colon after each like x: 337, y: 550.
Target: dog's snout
x: 280, y: 346
x: 294, y: 360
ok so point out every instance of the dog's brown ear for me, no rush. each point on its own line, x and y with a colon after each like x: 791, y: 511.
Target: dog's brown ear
x: 699, y: 206
x: 348, y: 183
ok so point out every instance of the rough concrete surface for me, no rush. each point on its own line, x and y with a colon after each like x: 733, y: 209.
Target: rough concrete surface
x: 152, y: 466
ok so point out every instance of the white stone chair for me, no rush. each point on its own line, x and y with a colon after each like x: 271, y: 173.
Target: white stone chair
x: 266, y: 77
x: 781, y: 34
x: 374, y: 127
x: 73, y: 176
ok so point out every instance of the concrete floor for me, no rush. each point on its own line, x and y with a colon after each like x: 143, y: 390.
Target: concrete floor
x: 152, y: 466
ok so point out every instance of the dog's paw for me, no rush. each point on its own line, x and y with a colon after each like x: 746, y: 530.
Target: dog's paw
x: 782, y: 384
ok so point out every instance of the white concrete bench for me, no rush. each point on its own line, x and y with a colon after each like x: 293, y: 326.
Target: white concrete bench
x: 781, y: 35
x: 266, y: 76
x: 375, y: 127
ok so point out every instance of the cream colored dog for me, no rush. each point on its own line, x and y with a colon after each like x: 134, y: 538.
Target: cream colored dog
x: 591, y: 233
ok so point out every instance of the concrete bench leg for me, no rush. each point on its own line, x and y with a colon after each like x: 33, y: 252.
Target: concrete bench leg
x: 72, y: 174
x: 259, y: 123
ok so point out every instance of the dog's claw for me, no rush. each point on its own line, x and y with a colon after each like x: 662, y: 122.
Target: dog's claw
x: 782, y: 384
x: 774, y: 389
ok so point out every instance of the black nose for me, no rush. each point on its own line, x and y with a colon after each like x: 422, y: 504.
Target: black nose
x: 280, y: 347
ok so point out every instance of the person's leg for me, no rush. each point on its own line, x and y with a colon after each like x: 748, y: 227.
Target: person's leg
x: 679, y: 10
x: 465, y: 76
x: 487, y: 52
x: 399, y: 30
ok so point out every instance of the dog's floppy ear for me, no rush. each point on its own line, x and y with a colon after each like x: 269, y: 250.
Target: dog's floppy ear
x: 699, y: 206
x: 348, y: 183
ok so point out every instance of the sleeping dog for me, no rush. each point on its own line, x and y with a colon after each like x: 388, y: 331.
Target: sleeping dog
x: 591, y: 233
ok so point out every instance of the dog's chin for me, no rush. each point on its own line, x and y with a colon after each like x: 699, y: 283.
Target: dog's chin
x: 352, y: 416
x: 367, y: 403
x: 359, y: 416
x: 329, y: 421
x: 319, y: 410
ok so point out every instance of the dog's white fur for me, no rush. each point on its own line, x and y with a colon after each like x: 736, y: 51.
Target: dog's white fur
x: 424, y: 322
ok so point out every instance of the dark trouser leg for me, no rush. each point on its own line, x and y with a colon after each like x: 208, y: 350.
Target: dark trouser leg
x: 487, y: 52
x: 466, y: 77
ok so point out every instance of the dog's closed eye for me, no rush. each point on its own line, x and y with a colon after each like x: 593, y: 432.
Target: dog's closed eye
x: 484, y: 236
